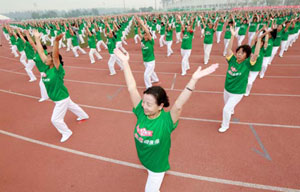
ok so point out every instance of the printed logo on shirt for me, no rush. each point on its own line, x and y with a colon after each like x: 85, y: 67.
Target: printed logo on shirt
x: 146, y: 141
x: 144, y: 132
x: 233, y: 71
x: 208, y: 33
x: 46, y: 80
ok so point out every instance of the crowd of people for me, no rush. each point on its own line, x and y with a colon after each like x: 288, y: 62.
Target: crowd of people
x: 269, y: 32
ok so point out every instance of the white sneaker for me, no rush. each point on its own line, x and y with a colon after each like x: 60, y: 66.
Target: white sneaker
x: 42, y: 99
x: 246, y: 94
x: 222, y: 129
x: 65, y: 137
x: 111, y: 74
x: 80, y: 119
x: 32, y: 80
x: 183, y: 74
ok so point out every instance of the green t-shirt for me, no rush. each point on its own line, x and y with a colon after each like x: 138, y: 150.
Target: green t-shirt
x: 111, y: 45
x: 253, y: 26
x: 98, y: 36
x: 54, y: 83
x: 178, y: 27
x: 268, y: 51
x: 220, y: 26
x: 20, y: 44
x: 285, y: 35
x: 153, y: 139
x: 187, y: 40
x: 259, y: 60
x: 92, y: 42
x: 237, y: 76
x: 243, y: 29
x: 42, y: 67
x: 148, y: 50
x: 209, y: 35
x: 169, y: 35
x: 162, y: 30
x: 227, y: 32
x: 74, y: 40
x: 13, y: 40
x: 29, y: 51
x: 68, y: 35
x: 279, y: 36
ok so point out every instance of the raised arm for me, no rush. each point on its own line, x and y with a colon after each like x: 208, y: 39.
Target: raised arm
x: 256, y: 52
x: 30, y: 40
x: 229, y: 47
x: 39, y: 46
x: 130, y: 81
x: 56, y: 51
x: 187, y: 92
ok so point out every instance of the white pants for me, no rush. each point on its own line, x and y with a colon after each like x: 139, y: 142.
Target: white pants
x: 74, y: 49
x: 149, y: 74
x: 226, y: 43
x: 92, y: 53
x: 237, y: 30
x: 52, y: 41
x: 178, y: 38
x: 185, y: 53
x: 136, y: 38
x: 169, y: 48
x: 69, y: 44
x: 119, y: 45
x: 111, y: 64
x: 14, y: 50
x: 100, y: 43
x: 153, y: 34
x: 282, y: 48
x: 61, y: 44
x: 218, y: 33
x: 264, y: 66
x: 162, y: 41
x: 44, y: 94
x: 59, y: 113
x: 230, y: 101
x: 154, y: 181
x: 240, y: 39
x: 207, y: 50
x: 28, y: 68
x: 274, y: 52
x: 252, y: 76
x: 250, y: 37
x: 23, y: 58
x: 81, y: 38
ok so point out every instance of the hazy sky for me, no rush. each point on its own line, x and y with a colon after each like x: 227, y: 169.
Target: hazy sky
x: 21, y: 5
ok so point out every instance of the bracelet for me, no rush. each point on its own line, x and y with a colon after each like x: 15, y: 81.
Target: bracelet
x: 189, y: 89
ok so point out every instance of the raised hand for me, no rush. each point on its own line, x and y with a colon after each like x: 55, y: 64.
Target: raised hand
x: 123, y: 57
x: 58, y: 38
x: 232, y: 31
x: 36, y: 34
x: 201, y: 73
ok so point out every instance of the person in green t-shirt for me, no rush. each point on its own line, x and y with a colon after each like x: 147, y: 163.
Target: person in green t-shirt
x: 242, y: 31
x: 279, y: 34
x: 148, y: 55
x: 13, y: 41
x: 178, y: 27
x: 68, y: 36
x: 219, y: 28
x: 92, y: 45
x: 162, y: 41
x: 53, y: 78
x: 227, y: 36
x: 253, y: 28
x: 169, y: 39
x: 20, y: 46
x: 99, y: 39
x: 75, y: 45
x: 136, y: 35
x: 254, y: 70
x: 269, y: 42
x: 111, y: 45
x: 284, y: 40
x: 29, y: 55
x: 152, y: 133
x: 209, y: 30
x: 186, y: 45
x: 236, y: 77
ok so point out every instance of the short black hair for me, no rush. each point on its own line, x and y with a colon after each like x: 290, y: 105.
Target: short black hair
x: 246, y: 49
x: 159, y: 94
x: 44, y: 46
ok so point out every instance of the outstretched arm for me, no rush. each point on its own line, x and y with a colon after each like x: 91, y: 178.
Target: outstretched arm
x: 39, y: 46
x: 130, y: 81
x: 187, y: 92
x: 229, y: 48
x: 56, y: 51
x: 30, y: 40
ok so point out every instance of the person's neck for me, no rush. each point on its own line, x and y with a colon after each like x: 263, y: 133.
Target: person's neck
x: 154, y: 115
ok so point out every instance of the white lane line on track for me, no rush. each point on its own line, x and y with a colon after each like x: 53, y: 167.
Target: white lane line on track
x: 137, y: 166
x: 183, y: 118
x: 142, y: 87
x: 163, y: 62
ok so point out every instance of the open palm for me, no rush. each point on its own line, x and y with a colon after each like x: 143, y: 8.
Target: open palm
x: 123, y: 57
x: 201, y: 73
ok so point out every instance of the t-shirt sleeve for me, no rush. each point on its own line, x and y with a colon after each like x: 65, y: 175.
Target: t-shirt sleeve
x: 230, y: 58
x: 138, y: 110
x: 171, y: 125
